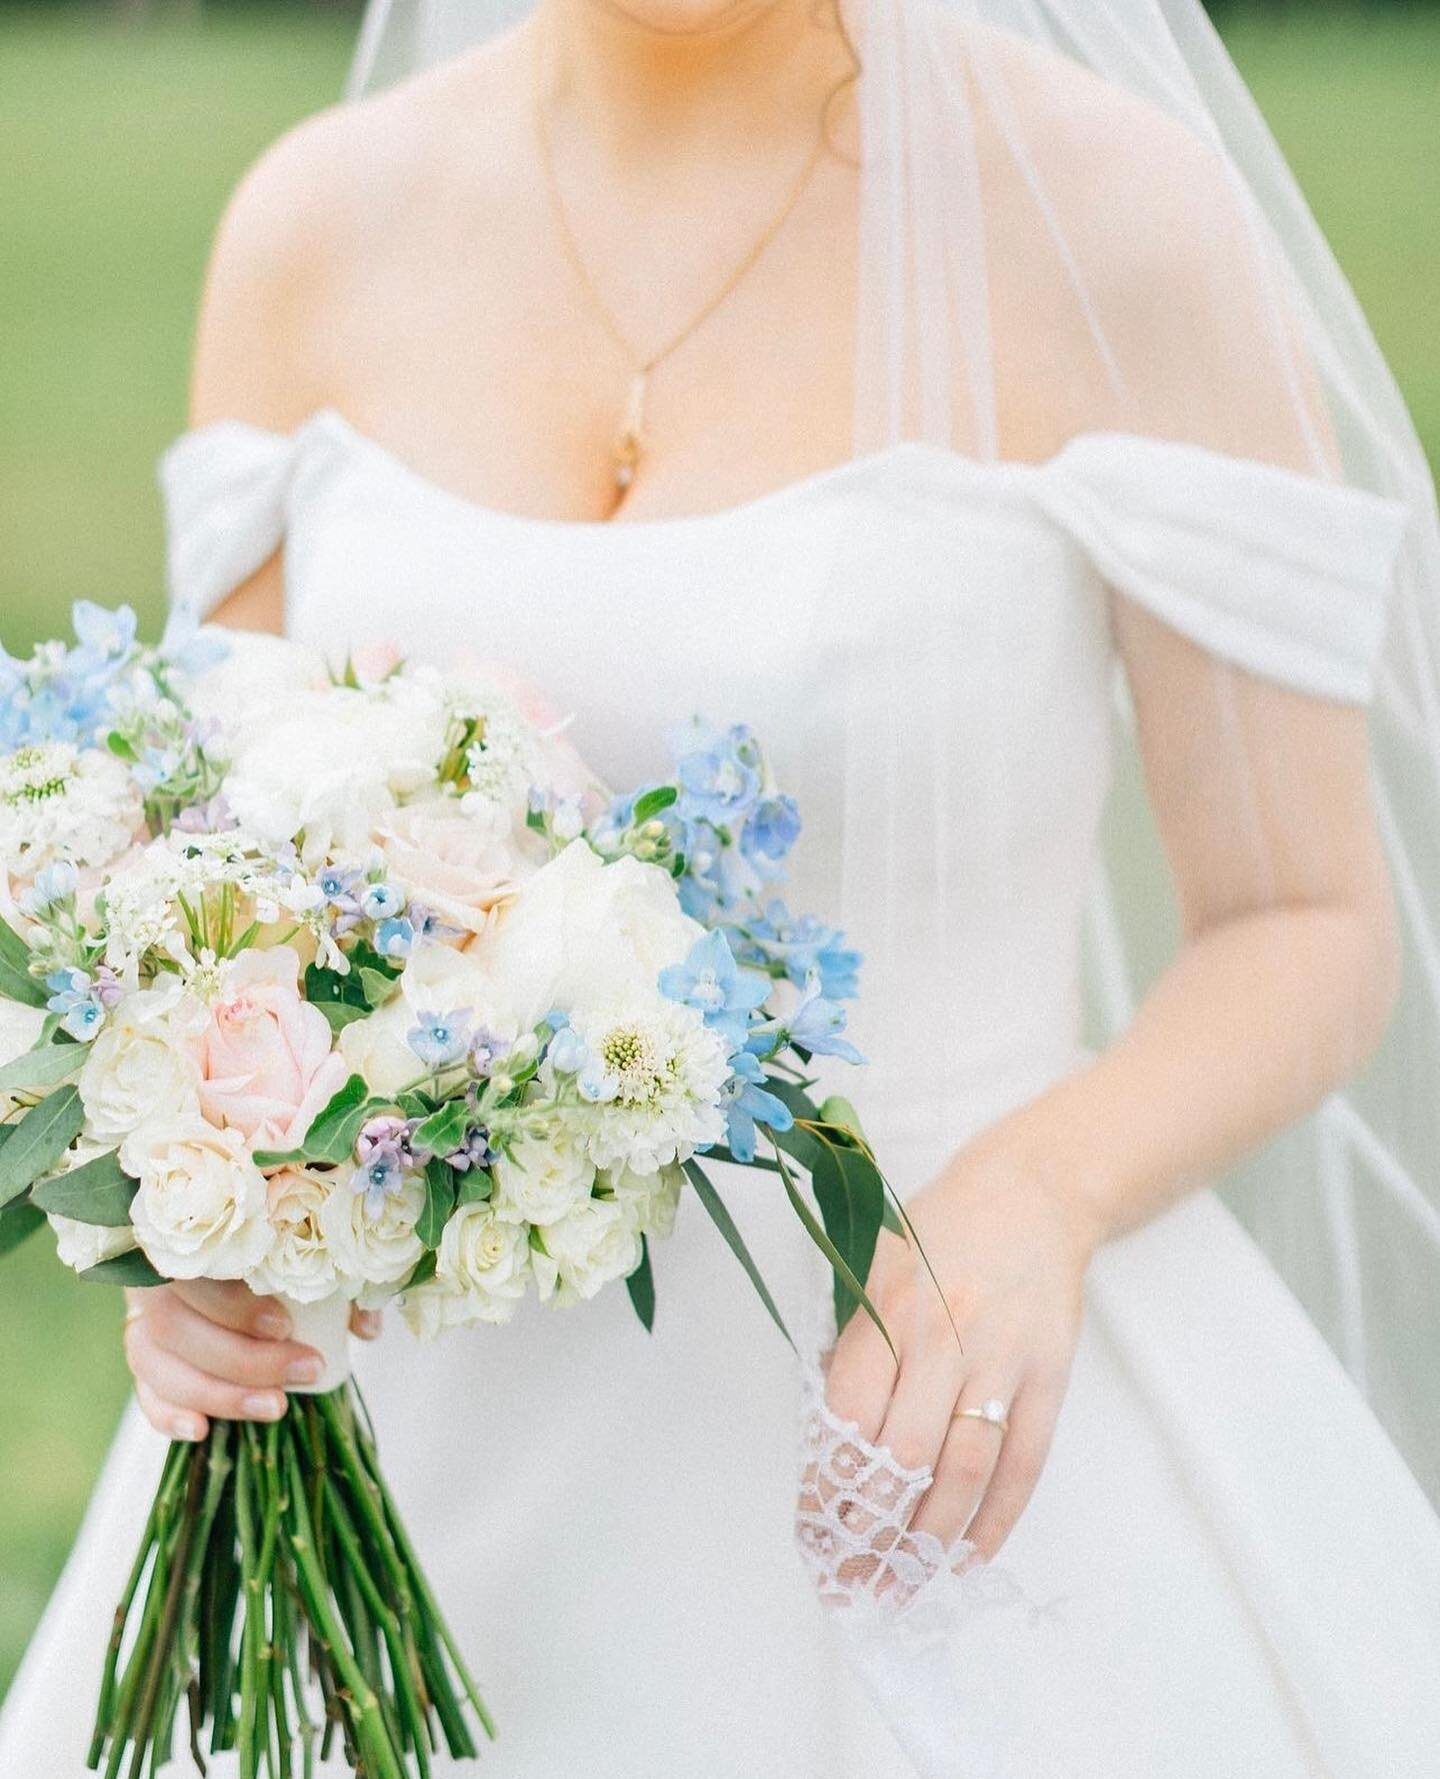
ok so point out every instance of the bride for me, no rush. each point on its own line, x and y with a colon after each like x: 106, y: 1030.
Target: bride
x: 959, y: 392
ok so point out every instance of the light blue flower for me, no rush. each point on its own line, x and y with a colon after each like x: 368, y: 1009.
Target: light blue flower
x: 54, y: 884
x: 772, y: 829
x: 816, y: 1026
x: 568, y: 1052
x: 595, y: 1084
x: 440, y: 1039
x: 104, y: 635
x: 805, y: 947
x: 75, y: 998
x: 395, y: 938
x: 381, y: 901
x: 719, y: 776
x: 486, y: 1049
x: 186, y: 647
x: 710, y: 980
x: 748, y: 1104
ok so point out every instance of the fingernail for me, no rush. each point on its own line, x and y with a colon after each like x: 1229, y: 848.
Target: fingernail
x: 369, y: 1324
x: 263, y: 1406
x: 188, y: 1429
x: 303, y: 1371
x: 274, y: 1325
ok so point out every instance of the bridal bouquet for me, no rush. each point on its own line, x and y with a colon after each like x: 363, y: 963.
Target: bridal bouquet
x: 355, y: 985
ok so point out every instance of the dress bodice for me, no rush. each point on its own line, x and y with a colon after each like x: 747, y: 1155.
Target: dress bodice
x: 968, y: 602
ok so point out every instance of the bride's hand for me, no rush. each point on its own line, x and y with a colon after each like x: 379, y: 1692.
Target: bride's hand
x: 1010, y: 1257
x: 208, y: 1348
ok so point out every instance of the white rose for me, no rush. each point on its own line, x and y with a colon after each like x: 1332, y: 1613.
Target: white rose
x: 138, y: 1073
x: 648, y: 1200
x: 83, y: 1245
x: 596, y: 1243
x: 543, y: 1178
x: 19, y: 1031
x: 373, y: 1244
x: 299, y: 1264
x: 459, y: 864
x: 486, y: 1262
x: 583, y: 932
x: 259, y: 676
x: 200, y: 1210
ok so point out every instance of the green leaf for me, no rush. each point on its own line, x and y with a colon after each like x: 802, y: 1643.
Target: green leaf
x: 424, y: 1269
x: 16, y: 982
x: 837, y: 1111
x: 44, y: 1066
x: 98, y: 1191
x: 653, y: 802
x: 120, y: 747
x: 376, y: 986
x: 838, y: 1263
x: 443, y: 1131
x: 18, y: 1222
x: 39, y: 1140
x: 720, y: 1216
x: 341, y: 1013
x: 641, y: 1286
x: 439, y: 1202
x: 476, y: 1185
x: 851, y: 1196
x: 123, y: 1269
x: 333, y: 1130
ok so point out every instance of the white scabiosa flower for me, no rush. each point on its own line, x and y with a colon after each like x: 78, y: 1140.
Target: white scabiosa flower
x: 585, y: 1251
x: 200, y: 1210
x: 63, y: 802
x: 542, y: 1177
x: 373, y: 1242
x: 299, y: 1263
x: 656, y: 1078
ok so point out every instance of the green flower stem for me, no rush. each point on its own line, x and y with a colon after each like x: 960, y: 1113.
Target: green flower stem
x: 250, y: 1625
x: 361, y: 1706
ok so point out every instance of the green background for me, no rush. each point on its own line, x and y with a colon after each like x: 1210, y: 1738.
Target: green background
x: 118, y: 145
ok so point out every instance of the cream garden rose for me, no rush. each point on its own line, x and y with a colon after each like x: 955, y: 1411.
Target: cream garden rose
x: 374, y: 1245
x: 459, y: 864
x: 485, y: 1259
x: 300, y: 1263
x: 584, y: 1251
x: 543, y: 1177
x: 139, y: 1073
x: 200, y: 1209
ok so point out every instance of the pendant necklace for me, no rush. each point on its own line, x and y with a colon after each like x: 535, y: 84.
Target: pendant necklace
x: 629, y: 447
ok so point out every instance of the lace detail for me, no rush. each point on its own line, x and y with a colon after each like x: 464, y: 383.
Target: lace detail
x: 852, y: 1524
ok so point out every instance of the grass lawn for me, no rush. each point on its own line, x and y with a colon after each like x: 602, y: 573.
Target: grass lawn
x: 118, y: 151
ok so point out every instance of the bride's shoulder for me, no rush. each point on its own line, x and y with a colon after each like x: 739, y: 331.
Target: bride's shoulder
x: 329, y: 211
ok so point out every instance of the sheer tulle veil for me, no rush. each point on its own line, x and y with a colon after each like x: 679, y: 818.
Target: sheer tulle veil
x: 977, y: 122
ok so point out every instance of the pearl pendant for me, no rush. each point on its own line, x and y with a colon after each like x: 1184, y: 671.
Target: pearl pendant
x: 630, y: 444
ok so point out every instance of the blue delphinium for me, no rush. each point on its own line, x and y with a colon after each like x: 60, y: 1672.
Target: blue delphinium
x: 719, y: 774
x: 803, y: 947
x: 710, y: 980
x: 748, y: 1103
x: 816, y: 1026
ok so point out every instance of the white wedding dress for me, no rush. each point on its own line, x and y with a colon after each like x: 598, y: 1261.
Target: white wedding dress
x: 1227, y: 1571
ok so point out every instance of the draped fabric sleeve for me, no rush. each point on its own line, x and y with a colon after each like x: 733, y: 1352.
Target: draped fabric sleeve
x: 226, y: 492
x: 1283, y: 574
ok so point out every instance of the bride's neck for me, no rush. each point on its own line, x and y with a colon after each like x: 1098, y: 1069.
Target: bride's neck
x: 645, y: 81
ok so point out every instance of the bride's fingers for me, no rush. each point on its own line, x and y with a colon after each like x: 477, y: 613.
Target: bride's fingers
x: 365, y: 1323
x: 1022, y: 1458
x: 919, y: 1411
x: 180, y: 1385
x: 164, y: 1417
x: 969, y: 1456
x: 236, y: 1358
x: 861, y: 1376
x: 235, y: 1306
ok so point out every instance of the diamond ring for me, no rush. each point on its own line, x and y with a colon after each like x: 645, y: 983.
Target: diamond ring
x: 992, y: 1409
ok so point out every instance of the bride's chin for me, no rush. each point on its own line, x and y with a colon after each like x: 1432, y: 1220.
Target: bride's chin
x: 687, y: 18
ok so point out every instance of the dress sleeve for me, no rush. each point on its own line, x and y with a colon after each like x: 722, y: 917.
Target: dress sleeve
x: 225, y: 489
x: 1281, y: 573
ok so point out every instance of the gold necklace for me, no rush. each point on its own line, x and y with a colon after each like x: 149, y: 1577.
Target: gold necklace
x: 629, y: 445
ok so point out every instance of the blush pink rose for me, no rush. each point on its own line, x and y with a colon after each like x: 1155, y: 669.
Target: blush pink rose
x: 264, y: 1056
x: 458, y: 865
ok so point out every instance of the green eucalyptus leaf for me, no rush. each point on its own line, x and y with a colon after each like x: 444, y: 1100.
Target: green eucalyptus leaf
x: 44, y: 1066
x: 376, y: 986
x: 424, y: 1269
x: 476, y: 1185
x: 720, y: 1216
x: 851, y: 1196
x: 333, y: 1130
x: 341, y: 1013
x: 838, y: 1263
x: 641, y: 1286
x: 38, y: 1141
x: 16, y: 982
x: 123, y: 1269
x: 98, y: 1191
